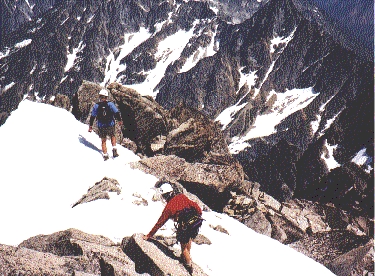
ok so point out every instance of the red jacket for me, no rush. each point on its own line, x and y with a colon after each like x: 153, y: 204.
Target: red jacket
x: 175, y: 205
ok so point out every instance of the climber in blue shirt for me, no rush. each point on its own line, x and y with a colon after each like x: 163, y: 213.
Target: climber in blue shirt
x: 105, y: 113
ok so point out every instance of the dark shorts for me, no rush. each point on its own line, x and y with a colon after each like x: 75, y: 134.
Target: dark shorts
x: 188, y: 224
x: 106, y: 131
x: 183, y: 236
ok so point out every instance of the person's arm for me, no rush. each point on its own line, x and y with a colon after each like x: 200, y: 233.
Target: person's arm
x: 116, y: 112
x: 93, y: 116
x: 161, y: 221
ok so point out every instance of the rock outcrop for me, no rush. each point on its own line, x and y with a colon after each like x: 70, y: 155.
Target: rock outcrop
x: 154, y: 257
x: 144, y: 119
x: 84, y: 99
x: 69, y: 252
x: 292, y: 220
x: 197, y: 139
x: 73, y: 252
x: 211, y: 183
x: 341, y: 251
x: 100, y: 191
x: 61, y: 101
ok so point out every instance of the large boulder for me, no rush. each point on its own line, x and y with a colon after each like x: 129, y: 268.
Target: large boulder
x: 69, y: 252
x: 84, y: 99
x: 341, y: 251
x: 261, y: 213
x: 144, y: 119
x: 358, y: 261
x: 100, y: 191
x: 61, y: 101
x: 290, y: 221
x: 209, y: 182
x: 155, y: 258
x: 23, y: 261
x: 197, y: 139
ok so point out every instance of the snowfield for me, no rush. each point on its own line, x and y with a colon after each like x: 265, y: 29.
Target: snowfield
x: 49, y: 160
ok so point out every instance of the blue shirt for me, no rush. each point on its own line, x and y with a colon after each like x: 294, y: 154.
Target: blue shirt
x: 114, y: 110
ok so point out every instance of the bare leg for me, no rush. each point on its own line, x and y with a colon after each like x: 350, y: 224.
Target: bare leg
x: 113, y: 140
x: 185, y: 252
x: 104, y: 145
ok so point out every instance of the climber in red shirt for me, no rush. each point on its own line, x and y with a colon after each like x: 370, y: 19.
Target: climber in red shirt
x: 187, y: 215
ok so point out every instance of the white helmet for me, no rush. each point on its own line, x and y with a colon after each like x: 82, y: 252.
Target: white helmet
x: 166, y: 188
x: 103, y: 92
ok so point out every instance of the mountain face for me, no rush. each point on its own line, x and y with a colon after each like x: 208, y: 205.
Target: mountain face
x: 15, y: 13
x: 293, y: 98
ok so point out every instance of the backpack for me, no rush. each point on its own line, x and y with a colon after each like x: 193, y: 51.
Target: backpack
x: 188, y: 220
x: 105, y: 114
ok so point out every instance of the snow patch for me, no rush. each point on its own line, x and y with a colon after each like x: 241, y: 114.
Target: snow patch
x: 72, y: 56
x: 113, y: 66
x: 159, y: 26
x: 200, y: 53
x: 248, y: 79
x: 214, y: 9
x: 237, y: 146
x: 323, y: 107
x: 315, y: 124
x: 286, y: 104
x: 361, y: 158
x: 62, y: 23
x: 280, y: 39
x: 329, y: 123
x: 142, y: 7
x: 63, y: 79
x: 3, y: 55
x: 32, y: 70
x: 168, y: 51
x: 8, y: 86
x: 23, y: 43
x: 328, y: 158
x: 90, y: 18
x: 33, y: 30
x: 27, y: 2
x: 226, y: 116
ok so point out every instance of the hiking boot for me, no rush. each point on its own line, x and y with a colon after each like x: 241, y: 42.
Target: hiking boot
x: 105, y: 157
x: 115, y: 154
x: 189, y: 268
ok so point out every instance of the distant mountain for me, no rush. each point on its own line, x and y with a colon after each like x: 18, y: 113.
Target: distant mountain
x: 16, y: 13
x: 356, y: 20
x: 282, y: 81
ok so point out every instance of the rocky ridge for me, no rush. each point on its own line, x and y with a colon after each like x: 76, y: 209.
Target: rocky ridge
x: 313, y: 228
x: 306, y: 201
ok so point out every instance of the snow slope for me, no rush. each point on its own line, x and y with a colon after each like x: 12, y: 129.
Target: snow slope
x: 49, y: 160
